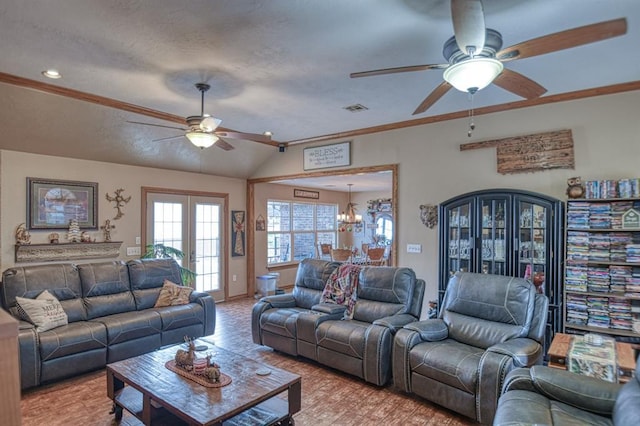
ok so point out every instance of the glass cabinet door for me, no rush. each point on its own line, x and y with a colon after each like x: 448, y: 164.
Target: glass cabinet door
x: 533, y: 243
x: 460, y: 238
x: 493, y: 238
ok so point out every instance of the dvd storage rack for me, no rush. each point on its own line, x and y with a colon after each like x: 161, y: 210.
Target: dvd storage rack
x: 602, y: 268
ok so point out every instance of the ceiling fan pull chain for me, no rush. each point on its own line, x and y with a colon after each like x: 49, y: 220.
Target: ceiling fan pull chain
x: 472, y: 125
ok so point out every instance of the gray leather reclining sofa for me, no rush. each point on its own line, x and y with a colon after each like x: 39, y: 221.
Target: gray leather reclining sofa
x: 298, y: 324
x: 110, y: 312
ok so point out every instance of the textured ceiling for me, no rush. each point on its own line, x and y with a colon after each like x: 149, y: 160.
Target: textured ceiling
x: 277, y: 65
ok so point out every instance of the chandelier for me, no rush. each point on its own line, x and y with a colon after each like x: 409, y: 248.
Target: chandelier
x: 346, y: 221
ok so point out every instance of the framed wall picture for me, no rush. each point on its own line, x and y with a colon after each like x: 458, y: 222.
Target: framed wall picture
x: 260, y: 223
x: 237, y: 233
x: 51, y: 204
x: 305, y: 193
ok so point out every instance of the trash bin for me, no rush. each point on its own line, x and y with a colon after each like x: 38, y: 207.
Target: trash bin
x: 266, y: 285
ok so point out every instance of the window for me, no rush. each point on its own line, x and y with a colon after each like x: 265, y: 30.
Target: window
x: 294, y: 230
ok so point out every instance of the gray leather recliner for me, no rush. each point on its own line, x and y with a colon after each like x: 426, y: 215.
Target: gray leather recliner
x: 487, y: 326
x: 543, y: 395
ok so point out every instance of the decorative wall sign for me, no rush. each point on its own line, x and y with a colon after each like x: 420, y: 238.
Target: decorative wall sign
x: 531, y: 153
x: 631, y: 219
x: 321, y: 157
x: 260, y: 224
x: 51, y: 204
x: 237, y: 233
x: 303, y: 193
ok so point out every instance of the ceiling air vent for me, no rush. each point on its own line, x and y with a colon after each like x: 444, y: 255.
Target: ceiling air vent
x: 356, y: 108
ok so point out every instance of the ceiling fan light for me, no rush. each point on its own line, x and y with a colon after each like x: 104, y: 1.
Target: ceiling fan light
x: 209, y: 124
x: 201, y: 139
x: 473, y: 74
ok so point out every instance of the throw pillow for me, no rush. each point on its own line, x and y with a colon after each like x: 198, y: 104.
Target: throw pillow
x: 173, y: 294
x: 45, y: 311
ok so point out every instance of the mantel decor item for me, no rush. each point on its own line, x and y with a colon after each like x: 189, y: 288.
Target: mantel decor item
x: 119, y: 201
x: 51, y: 204
x: 237, y: 233
x: 22, y: 235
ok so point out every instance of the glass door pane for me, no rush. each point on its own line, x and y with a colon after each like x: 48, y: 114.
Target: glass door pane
x: 206, y: 247
x: 460, y: 239
x: 533, y: 244
x: 493, y: 236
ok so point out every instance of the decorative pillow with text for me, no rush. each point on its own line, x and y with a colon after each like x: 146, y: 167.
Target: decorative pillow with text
x: 45, y: 311
x: 173, y: 294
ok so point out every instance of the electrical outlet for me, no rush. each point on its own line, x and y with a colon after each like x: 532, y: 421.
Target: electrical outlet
x: 414, y: 248
x: 137, y: 240
x: 133, y: 251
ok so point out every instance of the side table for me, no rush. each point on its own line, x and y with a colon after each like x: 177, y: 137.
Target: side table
x: 624, y: 351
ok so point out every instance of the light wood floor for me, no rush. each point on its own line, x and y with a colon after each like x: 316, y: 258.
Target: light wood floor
x: 329, y: 397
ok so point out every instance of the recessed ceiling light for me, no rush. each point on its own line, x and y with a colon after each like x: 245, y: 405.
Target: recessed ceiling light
x: 52, y: 74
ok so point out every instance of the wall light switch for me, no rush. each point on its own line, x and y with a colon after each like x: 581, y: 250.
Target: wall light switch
x: 234, y: 278
x: 137, y: 240
x: 414, y: 248
x: 133, y: 251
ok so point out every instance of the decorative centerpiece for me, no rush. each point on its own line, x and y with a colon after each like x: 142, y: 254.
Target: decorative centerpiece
x: 200, y: 370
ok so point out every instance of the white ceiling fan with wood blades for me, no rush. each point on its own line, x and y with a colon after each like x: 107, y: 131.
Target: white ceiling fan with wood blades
x: 476, y: 59
x: 203, y: 131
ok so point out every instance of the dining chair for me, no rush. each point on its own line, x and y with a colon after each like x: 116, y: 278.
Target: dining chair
x: 341, y: 255
x: 375, y: 256
x: 365, y: 248
x: 324, y: 251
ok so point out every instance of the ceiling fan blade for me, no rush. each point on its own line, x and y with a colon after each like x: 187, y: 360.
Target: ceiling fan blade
x: 433, y: 97
x: 247, y: 136
x: 410, y: 68
x: 468, y: 25
x: 167, y: 138
x: 221, y: 143
x: 517, y: 83
x: 564, y: 40
x: 158, y: 125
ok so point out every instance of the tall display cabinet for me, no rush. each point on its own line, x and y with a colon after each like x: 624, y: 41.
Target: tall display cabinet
x: 505, y: 232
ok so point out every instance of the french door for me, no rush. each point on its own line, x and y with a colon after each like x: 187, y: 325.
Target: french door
x: 195, y: 225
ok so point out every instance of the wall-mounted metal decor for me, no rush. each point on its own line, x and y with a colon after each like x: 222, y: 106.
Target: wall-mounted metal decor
x: 51, y: 204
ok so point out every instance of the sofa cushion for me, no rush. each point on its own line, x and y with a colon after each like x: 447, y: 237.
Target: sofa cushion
x: 311, y: 278
x: 61, y: 280
x: 72, y: 338
x: 281, y: 321
x: 484, y: 309
x: 174, y: 317
x: 384, y: 291
x: 147, y: 278
x: 127, y: 326
x: 447, y: 361
x: 173, y: 294
x: 45, y: 311
x: 346, y: 337
x: 106, y: 289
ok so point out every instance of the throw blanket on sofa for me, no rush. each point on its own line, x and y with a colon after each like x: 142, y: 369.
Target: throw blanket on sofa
x: 342, y: 288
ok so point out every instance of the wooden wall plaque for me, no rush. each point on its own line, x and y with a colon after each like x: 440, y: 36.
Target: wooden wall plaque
x: 531, y: 153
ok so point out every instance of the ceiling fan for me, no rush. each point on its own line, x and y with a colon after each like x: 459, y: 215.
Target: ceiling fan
x: 202, y: 131
x: 475, y: 58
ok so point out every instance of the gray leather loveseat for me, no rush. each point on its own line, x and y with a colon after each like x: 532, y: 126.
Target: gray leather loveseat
x: 548, y: 396
x: 299, y: 324
x: 487, y: 326
x: 111, y: 315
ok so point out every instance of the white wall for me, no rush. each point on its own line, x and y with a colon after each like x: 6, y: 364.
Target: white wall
x: 432, y: 168
x: 15, y: 167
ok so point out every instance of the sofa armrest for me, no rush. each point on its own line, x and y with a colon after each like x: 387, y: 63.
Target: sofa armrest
x: 431, y: 330
x: 329, y: 308
x: 524, y: 352
x: 209, y: 306
x: 395, y: 322
x: 584, y: 392
x: 279, y: 301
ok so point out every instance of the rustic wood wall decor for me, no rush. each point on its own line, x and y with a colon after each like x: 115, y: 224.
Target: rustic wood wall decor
x: 531, y: 153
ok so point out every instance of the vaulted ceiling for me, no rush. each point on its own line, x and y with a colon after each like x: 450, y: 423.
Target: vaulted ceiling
x: 278, y: 65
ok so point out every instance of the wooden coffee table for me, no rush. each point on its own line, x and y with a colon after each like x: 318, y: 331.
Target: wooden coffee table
x: 154, y: 394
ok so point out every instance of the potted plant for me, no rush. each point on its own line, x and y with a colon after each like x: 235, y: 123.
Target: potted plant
x: 162, y: 251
